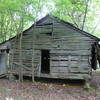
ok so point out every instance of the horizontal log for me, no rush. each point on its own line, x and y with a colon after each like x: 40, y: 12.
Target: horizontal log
x: 67, y: 64
x: 70, y: 70
x: 88, y: 52
x: 71, y: 75
x: 66, y: 57
x: 23, y: 66
x: 39, y: 47
x: 59, y: 69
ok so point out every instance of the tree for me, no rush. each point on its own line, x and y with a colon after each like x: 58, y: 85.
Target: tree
x: 82, y: 13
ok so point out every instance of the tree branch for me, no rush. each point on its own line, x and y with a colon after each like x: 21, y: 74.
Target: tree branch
x: 95, y: 26
x: 84, y: 19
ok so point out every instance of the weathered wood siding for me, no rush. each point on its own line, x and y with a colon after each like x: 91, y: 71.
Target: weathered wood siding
x: 70, y: 51
x: 3, y: 63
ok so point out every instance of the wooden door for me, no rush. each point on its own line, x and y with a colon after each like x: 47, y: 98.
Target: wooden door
x: 45, y: 61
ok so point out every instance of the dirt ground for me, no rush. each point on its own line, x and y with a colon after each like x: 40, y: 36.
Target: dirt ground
x: 14, y: 90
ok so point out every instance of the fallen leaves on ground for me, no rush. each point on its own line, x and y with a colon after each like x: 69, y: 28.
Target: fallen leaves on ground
x: 44, y: 91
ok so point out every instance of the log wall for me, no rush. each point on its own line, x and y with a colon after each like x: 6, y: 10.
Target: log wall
x: 70, y: 51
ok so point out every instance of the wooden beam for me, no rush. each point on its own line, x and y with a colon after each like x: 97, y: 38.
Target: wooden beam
x: 22, y: 66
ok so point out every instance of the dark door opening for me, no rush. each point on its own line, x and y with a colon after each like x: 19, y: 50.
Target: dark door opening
x: 45, y: 61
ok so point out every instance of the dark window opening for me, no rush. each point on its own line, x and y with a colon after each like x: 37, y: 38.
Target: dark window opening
x: 49, y: 33
x: 7, y: 50
x: 2, y: 50
x: 45, y: 61
x: 44, y: 24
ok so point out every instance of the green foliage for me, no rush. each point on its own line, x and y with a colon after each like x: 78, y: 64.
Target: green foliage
x: 74, y: 12
x: 71, y: 10
x: 17, y: 15
x: 12, y: 12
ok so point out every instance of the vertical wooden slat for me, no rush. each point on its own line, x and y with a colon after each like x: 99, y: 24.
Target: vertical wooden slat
x: 69, y: 62
x: 20, y: 61
x: 39, y: 71
x: 79, y: 60
x: 33, y: 51
x: 11, y: 65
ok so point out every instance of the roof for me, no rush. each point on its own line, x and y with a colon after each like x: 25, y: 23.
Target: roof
x: 5, y: 45
x: 70, y: 25
x: 61, y: 21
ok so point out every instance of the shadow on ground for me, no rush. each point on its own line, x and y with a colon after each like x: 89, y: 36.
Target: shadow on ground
x: 56, y: 81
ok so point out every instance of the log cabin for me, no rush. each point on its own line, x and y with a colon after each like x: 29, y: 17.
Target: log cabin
x: 53, y: 48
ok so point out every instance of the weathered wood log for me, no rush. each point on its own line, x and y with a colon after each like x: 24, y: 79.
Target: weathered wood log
x: 20, y: 65
x: 70, y: 51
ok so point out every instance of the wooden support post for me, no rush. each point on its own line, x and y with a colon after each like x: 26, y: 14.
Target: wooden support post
x: 33, y: 66
x: 87, y: 84
x: 11, y: 63
x: 33, y: 48
x: 78, y: 63
x: 20, y: 56
x: 10, y: 76
x: 6, y: 61
x: 33, y: 62
x: 69, y: 62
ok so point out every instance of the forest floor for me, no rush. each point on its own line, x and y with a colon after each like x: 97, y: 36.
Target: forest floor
x: 48, y: 90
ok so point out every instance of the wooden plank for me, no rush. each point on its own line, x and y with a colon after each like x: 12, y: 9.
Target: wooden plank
x: 59, y: 69
x: 66, y: 64
x: 83, y: 52
x: 47, y: 42
x: 69, y: 76
x: 39, y: 47
x: 71, y: 38
x: 65, y: 58
x: 22, y: 66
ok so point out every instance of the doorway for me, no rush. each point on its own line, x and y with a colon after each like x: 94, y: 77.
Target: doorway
x: 45, y: 61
